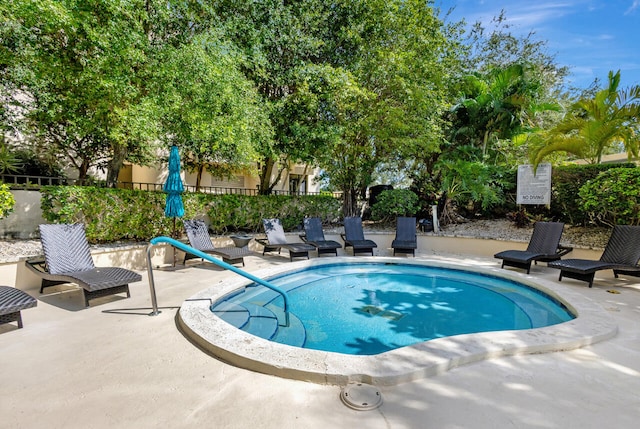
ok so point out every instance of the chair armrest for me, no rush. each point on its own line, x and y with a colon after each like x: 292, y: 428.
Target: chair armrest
x: 563, y: 250
x: 303, y: 236
x: 38, y: 265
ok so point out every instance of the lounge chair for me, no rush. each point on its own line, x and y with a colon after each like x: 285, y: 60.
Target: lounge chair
x: 12, y: 301
x: 314, y: 235
x: 276, y: 240
x: 199, y: 239
x: 406, y: 240
x: 621, y: 255
x: 544, y: 246
x: 67, y: 259
x: 353, y: 236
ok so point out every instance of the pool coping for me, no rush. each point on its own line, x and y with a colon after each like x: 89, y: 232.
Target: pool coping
x: 429, y: 358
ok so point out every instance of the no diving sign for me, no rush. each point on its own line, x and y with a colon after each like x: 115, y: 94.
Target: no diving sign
x: 534, y: 188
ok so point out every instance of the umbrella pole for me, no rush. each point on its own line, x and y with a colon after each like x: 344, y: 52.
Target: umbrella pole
x: 174, y: 236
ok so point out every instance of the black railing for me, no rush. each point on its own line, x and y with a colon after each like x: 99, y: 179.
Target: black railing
x: 35, y: 182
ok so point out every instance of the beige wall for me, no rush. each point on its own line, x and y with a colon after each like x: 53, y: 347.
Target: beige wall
x: 136, y: 173
x: 148, y: 174
x: 15, y: 273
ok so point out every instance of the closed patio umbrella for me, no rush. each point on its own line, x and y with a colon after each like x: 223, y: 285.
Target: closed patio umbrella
x: 174, y: 188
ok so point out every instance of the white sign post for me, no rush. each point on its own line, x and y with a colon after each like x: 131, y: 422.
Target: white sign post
x: 534, y: 188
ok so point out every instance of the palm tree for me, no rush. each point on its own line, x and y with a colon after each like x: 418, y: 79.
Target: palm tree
x: 594, y: 125
x: 495, y: 107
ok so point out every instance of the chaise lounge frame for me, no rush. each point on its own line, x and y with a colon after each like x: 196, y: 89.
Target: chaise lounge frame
x: 544, y: 246
x: 67, y: 259
x: 198, y: 235
x: 12, y: 302
x: 353, y: 236
x: 314, y: 235
x: 621, y: 254
x: 276, y: 240
x: 406, y: 240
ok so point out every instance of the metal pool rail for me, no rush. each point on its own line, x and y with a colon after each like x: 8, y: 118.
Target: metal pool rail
x: 199, y: 254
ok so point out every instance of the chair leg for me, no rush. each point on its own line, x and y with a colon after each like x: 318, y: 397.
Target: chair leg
x: 11, y: 317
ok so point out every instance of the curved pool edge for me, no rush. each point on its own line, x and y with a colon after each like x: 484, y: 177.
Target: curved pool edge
x: 417, y: 361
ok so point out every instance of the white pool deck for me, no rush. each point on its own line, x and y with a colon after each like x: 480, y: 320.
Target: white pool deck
x: 113, y: 366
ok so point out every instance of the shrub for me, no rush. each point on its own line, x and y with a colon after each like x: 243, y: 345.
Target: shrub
x: 566, y: 183
x: 393, y: 203
x: 245, y: 213
x: 122, y: 214
x: 613, y: 197
x: 6, y: 201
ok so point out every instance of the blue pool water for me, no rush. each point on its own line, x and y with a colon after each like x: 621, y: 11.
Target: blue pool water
x: 370, y: 308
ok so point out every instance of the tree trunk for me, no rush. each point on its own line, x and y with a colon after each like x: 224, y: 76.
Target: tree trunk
x: 266, y: 185
x: 265, y: 176
x: 350, y: 202
x: 115, y: 164
x: 199, y: 177
x: 83, y: 171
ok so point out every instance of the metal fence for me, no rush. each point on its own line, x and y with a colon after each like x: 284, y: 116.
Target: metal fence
x: 35, y: 182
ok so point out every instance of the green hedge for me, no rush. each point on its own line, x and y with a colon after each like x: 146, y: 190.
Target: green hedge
x: 613, y: 198
x: 121, y: 214
x: 393, y: 203
x: 566, y: 204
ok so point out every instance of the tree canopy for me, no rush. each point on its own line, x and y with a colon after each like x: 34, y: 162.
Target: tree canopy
x: 358, y: 88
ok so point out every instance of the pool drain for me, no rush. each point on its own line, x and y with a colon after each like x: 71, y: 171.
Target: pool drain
x: 361, y: 397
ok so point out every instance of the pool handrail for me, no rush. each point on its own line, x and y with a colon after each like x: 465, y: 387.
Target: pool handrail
x: 185, y: 248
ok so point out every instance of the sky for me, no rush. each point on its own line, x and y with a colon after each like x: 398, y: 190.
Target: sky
x: 591, y: 37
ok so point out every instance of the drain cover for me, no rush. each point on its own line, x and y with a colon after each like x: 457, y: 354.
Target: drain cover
x: 361, y: 397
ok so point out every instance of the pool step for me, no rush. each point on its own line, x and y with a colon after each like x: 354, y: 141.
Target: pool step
x: 251, y: 318
x: 294, y: 334
x: 264, y: 322
x: 234, y: 314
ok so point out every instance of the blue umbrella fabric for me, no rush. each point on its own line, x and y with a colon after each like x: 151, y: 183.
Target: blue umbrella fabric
x: 174, y: 187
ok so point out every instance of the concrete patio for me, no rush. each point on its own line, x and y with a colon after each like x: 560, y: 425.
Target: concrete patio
x: 111, y: 365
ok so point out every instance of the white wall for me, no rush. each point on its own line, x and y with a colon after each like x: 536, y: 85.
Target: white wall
x: 23, y: 222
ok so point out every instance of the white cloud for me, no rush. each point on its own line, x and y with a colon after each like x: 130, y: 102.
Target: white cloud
x: 633, y: 7
x: 524, y: 15
x: 532, y: 16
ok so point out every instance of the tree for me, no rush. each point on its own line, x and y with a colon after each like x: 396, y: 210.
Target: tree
x: 210, y: 110
x: 402, y: 60
x: 506, y: 91
x: 494, y: 108
x: 500, y: 48
x: 79, y: 68
x: 610, y: 119
x: 282, y: 43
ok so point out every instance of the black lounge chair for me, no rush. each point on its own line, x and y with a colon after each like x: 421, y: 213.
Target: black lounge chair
x: 544, y: 246
x: 353, y: 236
x: 621, y: 255
x: 67, y: 259
x: 12, y: 302
x: 199, y: 239
x: 314, y: 235
x: 276, y: 240
x: 406, y: 240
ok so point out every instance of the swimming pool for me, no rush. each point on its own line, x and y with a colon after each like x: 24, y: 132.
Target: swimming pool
x: 369, y: 308
x: 406, y: 363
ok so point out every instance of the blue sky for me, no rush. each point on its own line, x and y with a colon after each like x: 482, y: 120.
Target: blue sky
x: 591, y: 37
